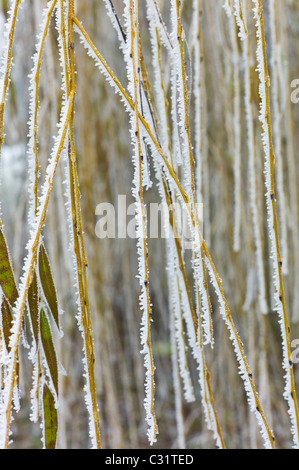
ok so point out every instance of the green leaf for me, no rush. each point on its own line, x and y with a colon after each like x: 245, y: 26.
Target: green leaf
x: 6, y: 315
x: 49, y: 349
x: 34, y: 307
x: 7, y: 280
x: 47, y: 283
x: 50, y: 418
x: 7, y: 319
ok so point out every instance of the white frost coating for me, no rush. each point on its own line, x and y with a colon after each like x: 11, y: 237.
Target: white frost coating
x: 130, y: 55
x: 143, y: 104
x: 142, y: 101
x: 277, y: 118
x: 68, y: 206
x: 62, y: 52
x: 252, y: 185
x: 132, y: 51
x: 177, y: 284
x: 33, y: 100
x: 176, y: 312
x: 8, y: 32
x: 2, y: 26
x: 227, y: 7
x: 243, y: 371
x: 236, y: 119
x: 250, y: 290
x: 114, y: 21
x: 176, y: 384
x: 144, y: 307
x: 158, y: 81
x: 200, y: 133
x: 160, y: 25
x: 251, y: 165
x: 35, y: 392
x: 198, y: 355
x: 236, y: 10
x: 176, y: 138
x: 146, y: 112
x: 179, y: 113
x: 270, y: 219
x: 197, y: 54
x: 157, y: 26
x: 240, y: 19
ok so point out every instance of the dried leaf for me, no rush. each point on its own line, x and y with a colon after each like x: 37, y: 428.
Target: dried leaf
x: 7, y: 280
x: 33, y: 307
x: 49, y: 349
x: 50, y: 419
x: 47, y: 283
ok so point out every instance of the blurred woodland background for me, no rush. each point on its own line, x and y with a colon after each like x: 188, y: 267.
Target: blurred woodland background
x: 105, y: 169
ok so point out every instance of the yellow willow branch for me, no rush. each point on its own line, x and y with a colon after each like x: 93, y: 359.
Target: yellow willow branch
x: 66, y: 64
x: 35, y: 83
x: 239, y: 9
x: 32, y: 248
x: 146, y: 340
x: 79, y: 248
x: 5, y: 79
x: 238, y: 346
x: 7, y: 65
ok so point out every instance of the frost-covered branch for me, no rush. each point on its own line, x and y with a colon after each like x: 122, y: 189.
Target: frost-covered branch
x: 279, y: 294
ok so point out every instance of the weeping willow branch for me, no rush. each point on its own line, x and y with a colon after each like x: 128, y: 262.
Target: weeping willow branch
x: 279, y: 296
x: 6, y: 63
x: 81, y: 261
x: 133, y: 43
x: 175, y: 154
x: 34, y: 105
